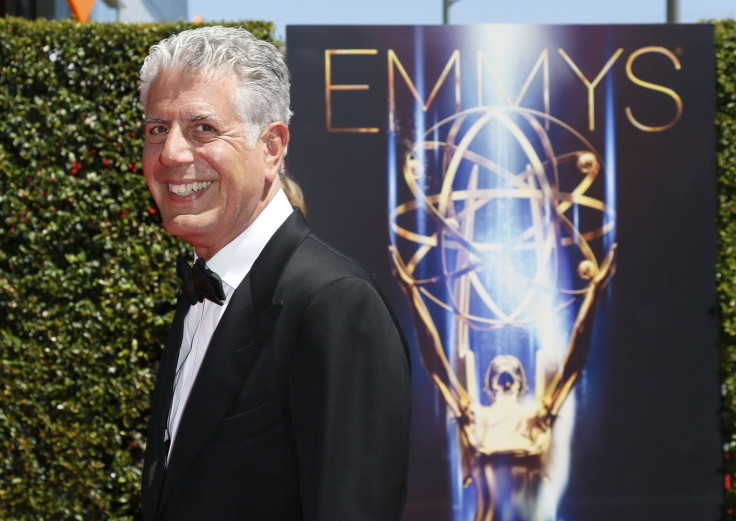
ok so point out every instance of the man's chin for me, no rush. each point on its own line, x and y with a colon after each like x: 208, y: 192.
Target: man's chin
x: 188, y: 226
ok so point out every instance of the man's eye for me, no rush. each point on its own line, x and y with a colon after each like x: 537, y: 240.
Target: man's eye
x: 204, y: 127
x: 157, y: 130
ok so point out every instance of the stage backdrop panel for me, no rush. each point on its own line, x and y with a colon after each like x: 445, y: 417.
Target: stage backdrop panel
x: 538, y: 204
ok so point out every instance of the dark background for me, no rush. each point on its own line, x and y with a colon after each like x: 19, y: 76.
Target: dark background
x: 646, y: 444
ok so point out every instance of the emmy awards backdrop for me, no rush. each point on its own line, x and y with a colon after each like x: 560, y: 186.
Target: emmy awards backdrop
x: 538, y: 204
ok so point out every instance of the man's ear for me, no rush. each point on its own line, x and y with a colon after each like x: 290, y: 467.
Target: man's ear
x: 276, y: 137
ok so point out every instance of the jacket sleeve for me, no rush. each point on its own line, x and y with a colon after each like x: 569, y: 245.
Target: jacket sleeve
x: 350, y: 403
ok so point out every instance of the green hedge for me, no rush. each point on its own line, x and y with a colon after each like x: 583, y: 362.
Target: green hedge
x: 725, y: 43
x: 84, y: 301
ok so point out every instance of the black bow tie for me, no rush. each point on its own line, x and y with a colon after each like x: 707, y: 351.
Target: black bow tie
x: 199, y: 282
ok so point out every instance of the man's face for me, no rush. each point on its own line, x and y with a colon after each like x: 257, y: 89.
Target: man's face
x: 207, y: 183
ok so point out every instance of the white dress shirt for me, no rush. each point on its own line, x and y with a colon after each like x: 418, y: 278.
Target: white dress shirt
x: 232, y: 263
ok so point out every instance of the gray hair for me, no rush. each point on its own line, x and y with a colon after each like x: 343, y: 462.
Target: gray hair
x: 262, y: 96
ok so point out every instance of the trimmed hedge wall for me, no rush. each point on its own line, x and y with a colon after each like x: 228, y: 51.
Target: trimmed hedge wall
x: 725, y: 48
x: 84, y: 301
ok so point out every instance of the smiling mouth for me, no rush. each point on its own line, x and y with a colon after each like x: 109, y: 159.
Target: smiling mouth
x: 185, y: 189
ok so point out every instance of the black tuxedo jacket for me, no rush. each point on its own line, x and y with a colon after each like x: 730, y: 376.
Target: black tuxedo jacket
x: 300, y: 410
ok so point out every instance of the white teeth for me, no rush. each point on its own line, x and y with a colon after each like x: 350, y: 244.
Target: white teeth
x: 188, y: 188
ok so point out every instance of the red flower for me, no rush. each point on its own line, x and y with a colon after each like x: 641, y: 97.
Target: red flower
x: 152, y: 211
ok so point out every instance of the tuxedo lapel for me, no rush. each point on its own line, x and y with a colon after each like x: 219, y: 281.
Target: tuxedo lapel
x: 155, y: 457
x: 234, y: 349
x: 230, y: 357
x: 270, y: 264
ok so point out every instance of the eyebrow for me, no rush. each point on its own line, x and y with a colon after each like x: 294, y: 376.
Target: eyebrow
x: 203, y: 117
x: 190, y: 119
x: 148, y: 121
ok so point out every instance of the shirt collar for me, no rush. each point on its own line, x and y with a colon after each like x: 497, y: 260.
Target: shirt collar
x: 233, y: 262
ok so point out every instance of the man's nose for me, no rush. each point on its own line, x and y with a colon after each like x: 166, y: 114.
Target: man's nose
x: 177, y: 149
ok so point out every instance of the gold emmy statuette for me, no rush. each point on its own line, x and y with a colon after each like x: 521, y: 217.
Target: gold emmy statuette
x: 497, y: 239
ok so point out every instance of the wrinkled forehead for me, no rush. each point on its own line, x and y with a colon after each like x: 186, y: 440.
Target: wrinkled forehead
x: 175, y: 96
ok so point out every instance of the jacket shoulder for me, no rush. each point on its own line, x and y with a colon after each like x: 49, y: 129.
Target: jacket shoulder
x: 315, y: 264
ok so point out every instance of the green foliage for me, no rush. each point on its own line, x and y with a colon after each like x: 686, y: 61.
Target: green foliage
x: 725, y: 48
x: 87, y: 284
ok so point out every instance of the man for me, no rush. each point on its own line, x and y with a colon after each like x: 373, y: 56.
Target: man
x: 282, y: 394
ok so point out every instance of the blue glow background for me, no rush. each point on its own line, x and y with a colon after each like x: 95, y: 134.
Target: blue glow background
x: 646, y: 443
